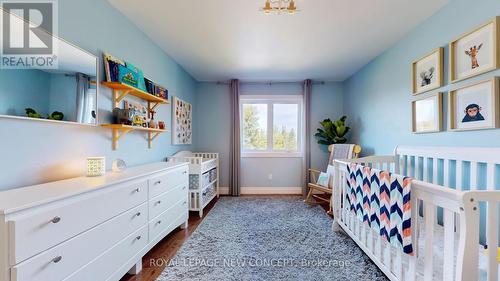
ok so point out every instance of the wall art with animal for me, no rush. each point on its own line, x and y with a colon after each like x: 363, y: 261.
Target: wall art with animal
x: 475, y: 52
x: 475, y: 106
x: 182, y: 120
x: 427, y: 72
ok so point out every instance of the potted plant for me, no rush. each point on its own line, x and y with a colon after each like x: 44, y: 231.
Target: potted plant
x: 332, y: 132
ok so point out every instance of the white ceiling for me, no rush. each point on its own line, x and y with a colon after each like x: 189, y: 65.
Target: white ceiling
x: 222, y: 39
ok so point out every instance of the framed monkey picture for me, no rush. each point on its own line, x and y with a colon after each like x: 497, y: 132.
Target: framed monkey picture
x: 427, y: 72
x: 475, y: 52
x: 475, y: 106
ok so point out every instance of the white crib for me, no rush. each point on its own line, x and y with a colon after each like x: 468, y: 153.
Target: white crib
x: 203, y: 177
x: 453, y: 188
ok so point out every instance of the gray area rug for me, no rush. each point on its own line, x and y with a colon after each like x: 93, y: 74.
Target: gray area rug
x: 257, y: 238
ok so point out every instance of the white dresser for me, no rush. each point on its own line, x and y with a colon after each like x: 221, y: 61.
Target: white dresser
x: 90, y: 228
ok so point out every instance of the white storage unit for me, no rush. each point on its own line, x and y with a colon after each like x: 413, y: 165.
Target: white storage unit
x: 203, y: 177
x: 90, y: 228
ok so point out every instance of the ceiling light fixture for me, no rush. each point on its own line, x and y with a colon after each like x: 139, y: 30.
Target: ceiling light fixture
x: 279, y: 7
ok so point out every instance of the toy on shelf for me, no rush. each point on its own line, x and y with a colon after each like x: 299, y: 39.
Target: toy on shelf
x: 152, y: 123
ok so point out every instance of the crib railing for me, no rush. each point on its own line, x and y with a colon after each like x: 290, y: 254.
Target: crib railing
x: 456, y: 208
x: 206, y: 155
x: 461, y: 168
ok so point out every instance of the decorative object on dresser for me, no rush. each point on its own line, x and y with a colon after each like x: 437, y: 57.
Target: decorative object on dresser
x: 181, y: 122
x: 96, y: 166
x: 427, y: 114
x: 475, y: 106
x: 118, y: 166
x: 81, y: 229
x: 427, y: 72
x: 203, y: 177
x: 475, y: 52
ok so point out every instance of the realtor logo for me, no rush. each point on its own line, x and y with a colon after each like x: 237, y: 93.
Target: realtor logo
x: 28, y: 29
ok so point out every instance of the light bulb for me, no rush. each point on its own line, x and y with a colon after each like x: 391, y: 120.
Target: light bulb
x: 292, y: 8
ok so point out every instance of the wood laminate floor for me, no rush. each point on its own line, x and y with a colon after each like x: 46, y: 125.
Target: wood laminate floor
x: 166, y: 249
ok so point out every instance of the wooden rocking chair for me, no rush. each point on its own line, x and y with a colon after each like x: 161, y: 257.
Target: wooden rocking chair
x: 337, y: 151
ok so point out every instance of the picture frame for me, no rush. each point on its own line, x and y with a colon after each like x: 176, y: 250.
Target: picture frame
x: 182, y: 119
x: 427, y: 72
x: 475, y: 52
x: 475, y: 106
x: 427, y: 114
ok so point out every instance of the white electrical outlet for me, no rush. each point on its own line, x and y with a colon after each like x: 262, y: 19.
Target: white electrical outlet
x: 270, y: 177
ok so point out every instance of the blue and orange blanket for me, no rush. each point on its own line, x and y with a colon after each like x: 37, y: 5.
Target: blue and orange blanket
x: 381, y: 200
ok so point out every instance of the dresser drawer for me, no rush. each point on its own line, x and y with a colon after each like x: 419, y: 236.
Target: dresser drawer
x: 163, y: 182
x: 164, y: 220
x: 162, y: 202
x: 62, y: 260
x: 106, y: 264
x: 39, y: 229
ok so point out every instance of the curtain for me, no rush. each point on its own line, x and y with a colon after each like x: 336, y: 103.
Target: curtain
x: 307, y: 91
x: 82, y: 96
x: 234, y: 154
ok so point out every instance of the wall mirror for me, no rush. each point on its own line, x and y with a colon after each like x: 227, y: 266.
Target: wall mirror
x: 66, y: 94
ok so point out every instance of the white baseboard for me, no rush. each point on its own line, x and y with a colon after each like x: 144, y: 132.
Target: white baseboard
x: 265, y: 190
x: 224, y: 190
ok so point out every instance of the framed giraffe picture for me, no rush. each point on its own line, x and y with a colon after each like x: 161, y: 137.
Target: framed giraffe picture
x: 475, y: 52
x: 427, y: 72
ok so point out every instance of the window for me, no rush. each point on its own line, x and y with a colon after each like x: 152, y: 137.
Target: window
x: 271, y: 126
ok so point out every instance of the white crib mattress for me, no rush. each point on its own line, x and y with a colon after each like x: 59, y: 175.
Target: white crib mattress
x: 439, y: 250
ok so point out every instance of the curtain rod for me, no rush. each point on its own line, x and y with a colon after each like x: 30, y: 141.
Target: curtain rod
x: 270, y: 83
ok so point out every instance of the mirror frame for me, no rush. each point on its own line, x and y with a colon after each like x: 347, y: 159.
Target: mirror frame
x: 68, y: 122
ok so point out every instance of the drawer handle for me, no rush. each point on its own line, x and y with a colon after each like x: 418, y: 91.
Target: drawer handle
x: 185, y: 172
x: 138, y: 214
x: 185, y: 202
x: 158, y: 182
x: 57, y: 259
x: 184, y: 188
x: 55, y: 220
x: 158, y: 222
x: 138, y: 237
x: 158, y: 202
x: 137, y: 190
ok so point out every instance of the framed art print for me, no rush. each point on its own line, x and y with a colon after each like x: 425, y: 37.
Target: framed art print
x: 475, y: 106
x: 182, y: 119
x: 427, y: 114
x: 427, y: 72
x: 475, y: 52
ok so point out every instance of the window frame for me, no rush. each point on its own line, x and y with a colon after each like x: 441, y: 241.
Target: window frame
x: 270, y: 100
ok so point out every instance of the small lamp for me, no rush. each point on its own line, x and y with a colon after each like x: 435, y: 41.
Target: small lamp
x: 96, y: 166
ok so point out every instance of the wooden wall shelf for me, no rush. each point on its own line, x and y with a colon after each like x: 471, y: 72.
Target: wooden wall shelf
x: 119, y: 130
x: 121, y: 90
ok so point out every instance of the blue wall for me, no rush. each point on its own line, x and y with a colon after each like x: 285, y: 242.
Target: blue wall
x: 378, y: 97
x: 35, y: 152
x: 16, y: 94
x: 213, y: 124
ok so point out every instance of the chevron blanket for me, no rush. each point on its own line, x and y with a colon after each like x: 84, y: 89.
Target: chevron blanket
x: 381, y: 200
